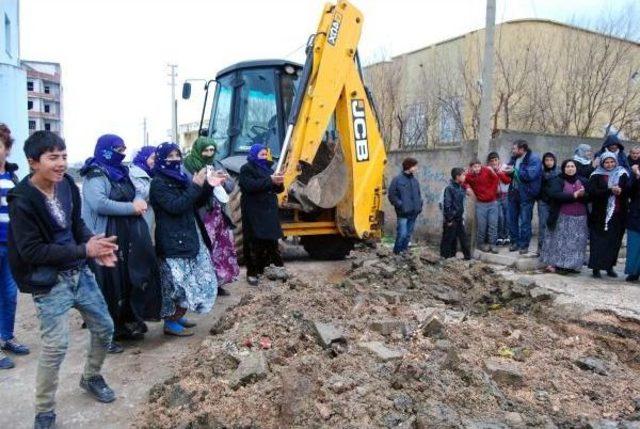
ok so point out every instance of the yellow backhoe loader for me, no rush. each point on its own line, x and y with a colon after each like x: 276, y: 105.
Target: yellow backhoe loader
x: 320, y: 124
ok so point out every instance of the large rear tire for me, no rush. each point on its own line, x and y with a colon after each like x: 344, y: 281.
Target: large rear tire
x: 327, y: 247
x: 236, y: 217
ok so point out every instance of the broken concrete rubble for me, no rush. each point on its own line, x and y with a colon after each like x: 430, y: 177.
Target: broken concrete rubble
x: 381, y: 351
x: 327, y: 334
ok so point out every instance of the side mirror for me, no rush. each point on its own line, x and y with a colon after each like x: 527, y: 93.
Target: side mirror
x: 186, y: 91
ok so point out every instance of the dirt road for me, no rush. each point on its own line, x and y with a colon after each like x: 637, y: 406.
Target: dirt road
x: 130, y: 374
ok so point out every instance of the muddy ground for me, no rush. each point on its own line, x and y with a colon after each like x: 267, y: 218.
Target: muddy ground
x: 410, y: 342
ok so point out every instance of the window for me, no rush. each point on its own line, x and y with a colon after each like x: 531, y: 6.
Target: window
x: 47, y: 90
x: 47, y: 108
x: 30, y: 105
x: 32, y: 125
x: 30, y: 85
x: 7, y: 35
x: 47, y: 126
x: 450, y: 120
x: 414, y: 132
x: 257, y: 116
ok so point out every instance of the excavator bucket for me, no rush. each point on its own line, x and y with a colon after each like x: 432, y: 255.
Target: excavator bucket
x: 327, y: 188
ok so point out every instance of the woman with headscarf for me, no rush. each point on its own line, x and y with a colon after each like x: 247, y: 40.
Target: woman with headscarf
x: 140, y: 173
x: 186, y: 273
x: 606, y: 191
x: 549, y: 172
x: 216, y: 221
x: 583, y: 156
x: 131, y: 288
x: 565, y: 243
x: 613, y: 144
x: 260, y: 220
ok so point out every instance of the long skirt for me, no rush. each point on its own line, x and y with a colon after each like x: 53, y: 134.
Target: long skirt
x: 223, y: 250
x: 605, y: 245
x: 632, y: 266
x: 565, y: 246
x: 188, y: 284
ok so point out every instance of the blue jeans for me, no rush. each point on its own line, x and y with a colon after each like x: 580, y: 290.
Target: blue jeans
x: 8, y: 297
x: 543, y: 216
x: 404, y: 229
x: 487, y: 222
x: 77, y: 290
x: 520, y: 215
x: 503, y: 217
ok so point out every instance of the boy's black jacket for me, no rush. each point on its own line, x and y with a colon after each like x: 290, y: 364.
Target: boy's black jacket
x: 32, y: 250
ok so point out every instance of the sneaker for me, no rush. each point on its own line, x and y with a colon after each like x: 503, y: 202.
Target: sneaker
x: 175, y: 329
x: 499, y: 242
x: 6, y: 362
x: 186, y: 323
x: 45, y: 420
x: 14, y: 347
x: 222, y: 291
x: 98, y: 388
x: 253, y: 281
x: 114, y: 348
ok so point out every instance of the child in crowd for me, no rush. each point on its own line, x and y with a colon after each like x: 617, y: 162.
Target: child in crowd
x: 453, y: 230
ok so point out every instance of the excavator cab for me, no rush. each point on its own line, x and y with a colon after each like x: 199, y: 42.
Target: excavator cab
x: 251, y: 104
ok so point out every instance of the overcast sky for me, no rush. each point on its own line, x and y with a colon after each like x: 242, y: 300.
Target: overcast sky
x: 114, y: 52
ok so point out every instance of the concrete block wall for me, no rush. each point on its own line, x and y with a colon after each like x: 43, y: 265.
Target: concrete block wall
x: 435, y: 167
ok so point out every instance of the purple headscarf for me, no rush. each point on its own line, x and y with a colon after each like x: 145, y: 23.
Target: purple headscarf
x: 263, y: 164
x: 107, y: 158
x: 141, y: 158
x: 172, y: 169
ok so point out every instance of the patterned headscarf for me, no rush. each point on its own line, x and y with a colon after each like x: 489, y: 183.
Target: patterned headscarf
x: 172, y: 169
x: 107, y: 158
x: 614, y: 174
x: 140, y: 160
x: 194, y: 161
x: 580, y: 154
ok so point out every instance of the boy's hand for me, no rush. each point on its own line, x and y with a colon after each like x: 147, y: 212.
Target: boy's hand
x: 99, y: 246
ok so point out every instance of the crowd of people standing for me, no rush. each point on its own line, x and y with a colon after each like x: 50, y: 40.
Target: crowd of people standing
x: 145, y: 242
x: 586, y: 202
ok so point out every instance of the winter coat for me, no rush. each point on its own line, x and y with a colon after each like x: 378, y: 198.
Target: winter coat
x: 259, y: 203
x: 526, y: 184
x: 633, y: 218
x: 547, y: 178
x: 584, y: 170
x: 31, y: 241
x: 484, y: 184
x: 557, y: 197
x: 97, y: 206
x: 404, y: 195
x: 453, y: 202
x: 142, y: 182
x: 178, y: 228
x: 599, y: 194
x: 622, y: 156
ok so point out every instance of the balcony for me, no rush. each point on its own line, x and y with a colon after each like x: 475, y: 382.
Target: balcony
x: 43, y: 115
x: 44, y: 76
x: 43, y: 95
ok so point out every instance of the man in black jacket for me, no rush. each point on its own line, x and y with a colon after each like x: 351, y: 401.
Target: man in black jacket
x: 453, y: 230
x: 404, y: 194
x: 48, y: 247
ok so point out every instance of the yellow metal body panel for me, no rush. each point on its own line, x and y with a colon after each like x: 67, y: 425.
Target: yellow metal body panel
x: 335, y: 85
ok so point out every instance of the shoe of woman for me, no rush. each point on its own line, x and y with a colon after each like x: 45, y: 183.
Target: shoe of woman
x: 632, y: 278
x: 253, y: 281
x: 223, y: 292
x: 142, y: 327
x: 114, y: 348
x: 611, y: 273
x: 596, y: 274
x: 186, y: 323
x: 175, y: 329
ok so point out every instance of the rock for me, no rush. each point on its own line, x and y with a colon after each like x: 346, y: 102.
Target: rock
x: 516, y: 335
x: 445, y: 294
x: 602, y: 424
x: 387, y: 327
x: 324, y: 411
x: 392, y: 420
x: 592, y: 364
x: 454, y: 317
x: 636, y: 403
x: 481, y: 424
x: 276, y: 273
x: 451, y: 360
x: 383, y: 252
x: 629, y: 425
x: 504, y: 372
x: 429, y: 257
x: 542, y: 395
x: 381, y: 351
x: 527, y: 282
x: 403, y: 402
x: 338, y: 384
x: 327, y: 334
x: 387, y: 271
x: 541, y: 294
x: 433, y: 328
x: 390, y: 296
x: 437, y: 415
x: 251, y: 369
x: 514, y: 420
x: 409, y: 424
x: 296, y: 393
x: 178, y: 397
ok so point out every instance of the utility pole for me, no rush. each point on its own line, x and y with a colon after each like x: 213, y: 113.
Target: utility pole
x: 487, y: 80
x: 484, y: 135
x: 174, y: 107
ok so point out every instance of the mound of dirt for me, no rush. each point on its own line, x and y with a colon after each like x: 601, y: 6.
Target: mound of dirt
x: 409, y: 342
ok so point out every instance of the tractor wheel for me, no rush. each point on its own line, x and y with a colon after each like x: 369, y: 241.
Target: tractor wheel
x: 236, y: 217
x: 327, y: 247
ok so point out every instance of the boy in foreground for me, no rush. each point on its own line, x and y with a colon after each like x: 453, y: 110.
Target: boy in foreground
x: 49, y: 245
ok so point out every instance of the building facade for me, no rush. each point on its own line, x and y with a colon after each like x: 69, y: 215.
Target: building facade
x: 44, y: 90
x: 549, y: 78
x: 13, y: 81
